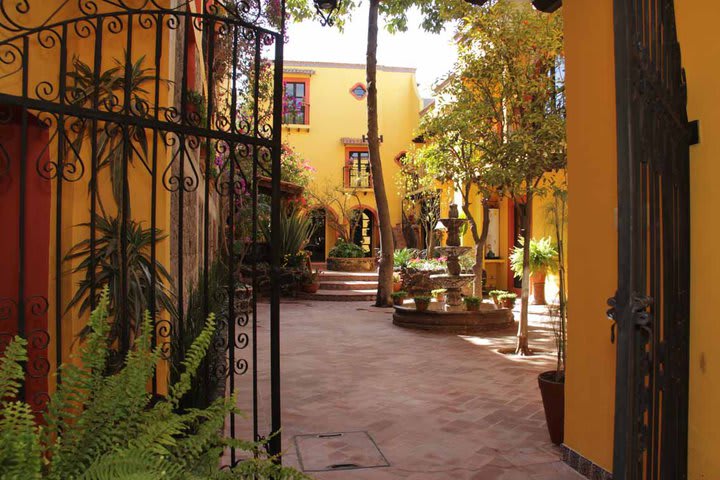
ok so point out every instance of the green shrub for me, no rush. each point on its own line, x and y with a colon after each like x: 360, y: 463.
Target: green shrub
x: 496, y: 293
x: 543, y: 257
x: 507, y: 296
x: 399, y: 295
x: 105, y: 427
x: 296, y: 228
x: 422, y: 298
x: 402, y: 257
x: 343, y: 249
x: 471, y: 301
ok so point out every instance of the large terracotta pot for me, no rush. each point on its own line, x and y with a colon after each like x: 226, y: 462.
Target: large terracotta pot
x: 538, y: 286
x: 553, y: 397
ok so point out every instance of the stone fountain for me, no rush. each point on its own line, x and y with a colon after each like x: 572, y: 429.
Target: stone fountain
x: 454, y: 280
x: 453, y: 316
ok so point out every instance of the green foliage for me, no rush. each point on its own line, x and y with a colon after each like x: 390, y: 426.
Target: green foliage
x: 496, y: 293
x: 105, y: 427
x: 109, y: 269
x: 19, y: 437
x: 111, y: 146
x: 296, y: 228
x: 472, y: 301
x: 295, y: 168
x: 207, y: 387
x: 507, y: 296
x: 402, y: 257
x: 343, y: 249
x: 196, y: 101
x: 422, y: 298
x: 438, y: 291
x: 399, y: 294
x: 543, y: 256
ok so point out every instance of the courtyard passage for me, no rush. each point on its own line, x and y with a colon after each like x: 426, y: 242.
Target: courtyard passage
x: 428, y: 405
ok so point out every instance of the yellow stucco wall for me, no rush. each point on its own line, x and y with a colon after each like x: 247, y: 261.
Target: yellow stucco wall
x: 697, y: 31
x: 592, y: 237
x: 592, y: 168
x: 336, y: 114
x: 44, y: 65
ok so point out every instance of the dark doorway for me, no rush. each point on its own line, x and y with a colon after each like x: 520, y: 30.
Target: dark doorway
x: 363, y: 229
x: 318, y: 240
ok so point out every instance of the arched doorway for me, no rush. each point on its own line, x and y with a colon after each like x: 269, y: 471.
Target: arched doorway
x: 363, y: 229
x: 318, y: 240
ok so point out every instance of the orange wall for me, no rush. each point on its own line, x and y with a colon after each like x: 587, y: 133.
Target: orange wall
x: 592, y: 237
x: 697, y: 31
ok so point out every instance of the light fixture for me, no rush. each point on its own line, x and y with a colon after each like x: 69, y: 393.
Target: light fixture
x: 326, y: 9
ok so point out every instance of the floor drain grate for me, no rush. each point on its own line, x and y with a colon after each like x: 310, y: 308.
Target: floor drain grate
x: 325, y: 452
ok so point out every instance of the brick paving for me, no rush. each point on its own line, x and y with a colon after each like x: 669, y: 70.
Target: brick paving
x: 439, y: 406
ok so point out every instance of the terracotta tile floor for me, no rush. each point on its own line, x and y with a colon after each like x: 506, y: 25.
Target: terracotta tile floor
x: 439, y: 406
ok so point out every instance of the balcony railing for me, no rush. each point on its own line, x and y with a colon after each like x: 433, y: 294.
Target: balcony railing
x: 357, y: 176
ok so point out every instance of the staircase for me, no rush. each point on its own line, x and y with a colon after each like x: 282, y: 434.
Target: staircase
x: 345, y: 287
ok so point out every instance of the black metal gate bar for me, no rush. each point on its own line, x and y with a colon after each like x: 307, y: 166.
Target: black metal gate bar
x: 82, y: 121
x: 651, y: 304
x: 276, y: 408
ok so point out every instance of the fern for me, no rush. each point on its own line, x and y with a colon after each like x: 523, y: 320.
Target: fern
x: 105, y: 428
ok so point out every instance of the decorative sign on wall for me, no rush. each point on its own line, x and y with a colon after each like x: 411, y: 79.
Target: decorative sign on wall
x: 492, y: 247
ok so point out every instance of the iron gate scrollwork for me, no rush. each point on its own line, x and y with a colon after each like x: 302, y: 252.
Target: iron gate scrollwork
x: 134, y: 135
x: 651, y: 306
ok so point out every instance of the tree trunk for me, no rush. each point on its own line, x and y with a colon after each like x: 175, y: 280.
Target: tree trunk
x: 385, y: 276
x: 522, y: 347
x: 478, y: 237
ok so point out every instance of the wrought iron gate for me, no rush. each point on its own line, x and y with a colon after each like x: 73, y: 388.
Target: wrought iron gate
x: 135, y: 140
x: 651, y: 306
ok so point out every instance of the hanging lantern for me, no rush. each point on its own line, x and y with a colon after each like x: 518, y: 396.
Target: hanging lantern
x: 326, y: 9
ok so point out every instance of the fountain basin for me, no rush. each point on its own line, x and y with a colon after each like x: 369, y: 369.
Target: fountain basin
x: 451, y: 281
x: 435, y: 319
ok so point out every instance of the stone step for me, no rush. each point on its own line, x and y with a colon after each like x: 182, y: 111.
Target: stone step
x: 331, y: 276
x: 347, y: 285
x: 340, y: 295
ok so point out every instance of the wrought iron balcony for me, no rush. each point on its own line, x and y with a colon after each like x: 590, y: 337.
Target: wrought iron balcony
x: 357, y: 176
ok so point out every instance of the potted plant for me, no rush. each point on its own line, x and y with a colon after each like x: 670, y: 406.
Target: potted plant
x: 439, y: 294
x: 397, y: 282
x: 495, y: 294
x: 508, y: 299
x: 312, y: 282
x: 552, y: 383
x: 422, y: 302
x: 399, y: 298
x: 472, y: 304
x: 348, y: 257
x: 543, y: 259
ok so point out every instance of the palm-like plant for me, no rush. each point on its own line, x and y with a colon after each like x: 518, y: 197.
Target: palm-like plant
x: 296, y: 228
x: 108, y: 92
x: 134, y: 273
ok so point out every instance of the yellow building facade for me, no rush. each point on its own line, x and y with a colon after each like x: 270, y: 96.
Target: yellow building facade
x: 328, y: 125
x: 593, y: 229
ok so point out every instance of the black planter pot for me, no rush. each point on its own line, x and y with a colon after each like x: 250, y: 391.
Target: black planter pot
x: 553, y: 397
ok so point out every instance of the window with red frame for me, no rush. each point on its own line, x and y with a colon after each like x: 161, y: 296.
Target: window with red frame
x: 357, y: 170
x: 295, y: 105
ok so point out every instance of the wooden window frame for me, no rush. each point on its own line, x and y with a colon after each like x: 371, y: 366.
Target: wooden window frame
x: 348, y: 163
x: 306, y: 102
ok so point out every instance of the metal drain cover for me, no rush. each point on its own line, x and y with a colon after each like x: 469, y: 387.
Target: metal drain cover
x: 325, y: 452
